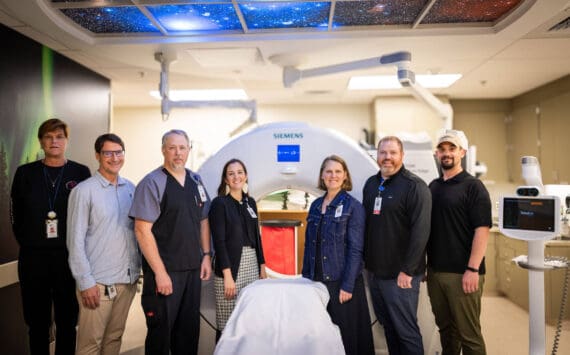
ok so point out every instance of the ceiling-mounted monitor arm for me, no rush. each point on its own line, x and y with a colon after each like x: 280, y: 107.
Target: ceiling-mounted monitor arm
x: 406, y: 77
x: 401, y: 59
x: 167, y: 104
x: 444, y: 110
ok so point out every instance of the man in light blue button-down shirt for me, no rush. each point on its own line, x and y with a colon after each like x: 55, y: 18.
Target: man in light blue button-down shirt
x: 103, y: 254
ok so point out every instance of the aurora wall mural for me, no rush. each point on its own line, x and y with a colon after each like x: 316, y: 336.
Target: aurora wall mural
x: 37, y: 83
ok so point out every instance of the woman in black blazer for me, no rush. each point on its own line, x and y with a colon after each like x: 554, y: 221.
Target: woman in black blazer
x: 237, y: 242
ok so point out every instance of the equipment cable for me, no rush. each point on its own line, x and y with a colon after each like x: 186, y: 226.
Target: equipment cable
x: 561, y: 314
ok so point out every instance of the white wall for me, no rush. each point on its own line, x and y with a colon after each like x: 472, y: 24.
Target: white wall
x: 396, y: 115
x: 209, y: 129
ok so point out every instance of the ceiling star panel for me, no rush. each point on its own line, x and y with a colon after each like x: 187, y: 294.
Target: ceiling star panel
x: 172, y: 18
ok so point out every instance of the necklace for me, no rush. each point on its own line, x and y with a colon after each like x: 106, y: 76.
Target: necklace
x: 52, y: 181
x: 55, y: 184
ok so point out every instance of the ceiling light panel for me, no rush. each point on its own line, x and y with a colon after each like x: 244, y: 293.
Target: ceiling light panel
x: 211, y: 17
x: 466, y: 11
x: 124, y: 19
x: 366, y: 13
x: 262, y: 15
x: 100, y: 2
x: 196, y: 17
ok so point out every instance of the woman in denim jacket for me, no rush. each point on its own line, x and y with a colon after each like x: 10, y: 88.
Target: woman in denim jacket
x: 334, y: 240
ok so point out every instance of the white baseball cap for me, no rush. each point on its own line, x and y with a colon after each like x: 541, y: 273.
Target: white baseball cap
x: 454, y: 137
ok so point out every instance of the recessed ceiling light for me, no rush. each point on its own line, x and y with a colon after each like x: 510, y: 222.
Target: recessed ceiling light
x: 203, y: 95
x: 374, y: 82
x: 437, y: 80
x: 227, y: 57
x: 387, y: 82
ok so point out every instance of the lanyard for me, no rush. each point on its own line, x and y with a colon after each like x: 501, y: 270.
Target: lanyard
x: 249, y: 208
x: 56, y: 184
x: 381, y: 187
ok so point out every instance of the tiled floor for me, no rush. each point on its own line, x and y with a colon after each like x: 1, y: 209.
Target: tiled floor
x: 505, y: 327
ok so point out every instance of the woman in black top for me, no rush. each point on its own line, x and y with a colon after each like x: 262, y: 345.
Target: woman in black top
x: 237, y: 243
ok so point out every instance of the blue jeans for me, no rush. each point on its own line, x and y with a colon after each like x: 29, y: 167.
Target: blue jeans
x: 396, y: 309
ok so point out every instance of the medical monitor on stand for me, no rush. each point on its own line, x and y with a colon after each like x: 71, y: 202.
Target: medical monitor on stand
x: 535, y: 218
x: 529, y: 217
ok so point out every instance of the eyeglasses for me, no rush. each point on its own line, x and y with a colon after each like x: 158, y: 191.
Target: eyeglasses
x: 110, y: 153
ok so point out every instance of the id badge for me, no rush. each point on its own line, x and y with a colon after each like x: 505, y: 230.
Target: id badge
x: 202, y: 193
x: 51, y: 228
x: 111, y: 291
x: 251, y: 212
x: 338, y: 212
x: 377, y: 205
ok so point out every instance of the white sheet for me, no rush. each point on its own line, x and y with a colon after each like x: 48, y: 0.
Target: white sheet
x: 286, y: 316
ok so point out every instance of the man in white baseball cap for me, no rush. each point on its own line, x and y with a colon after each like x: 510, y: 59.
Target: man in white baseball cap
x: 460, y: 222
x: 454, y: 137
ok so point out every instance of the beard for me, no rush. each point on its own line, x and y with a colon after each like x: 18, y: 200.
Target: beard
x: 176, y: 167
x: 447, y: 163
x: 389, y: 167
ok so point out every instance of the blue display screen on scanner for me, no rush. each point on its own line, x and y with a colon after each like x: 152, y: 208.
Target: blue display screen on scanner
x: 288, y: 153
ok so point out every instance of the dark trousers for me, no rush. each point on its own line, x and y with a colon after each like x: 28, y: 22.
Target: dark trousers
x: 173, y: 321
x: 456, y: 313
x: 396, y: 309
x: 46, y: 282
x: 352, y: 318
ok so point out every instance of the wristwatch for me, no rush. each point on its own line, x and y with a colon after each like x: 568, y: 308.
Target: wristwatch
x: 472, y: 269
x: 210, y: 253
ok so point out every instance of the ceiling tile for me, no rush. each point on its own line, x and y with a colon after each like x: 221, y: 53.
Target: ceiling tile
x: 196, y: 17
x: 466, y: 11
x: 365, y: 13
x: 273, y: 15
x: 126, y: 19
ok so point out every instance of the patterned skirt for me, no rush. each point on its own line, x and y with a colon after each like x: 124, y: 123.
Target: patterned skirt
x: 248, y: 272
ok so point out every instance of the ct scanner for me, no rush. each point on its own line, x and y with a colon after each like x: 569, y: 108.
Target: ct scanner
x: 288, y: 155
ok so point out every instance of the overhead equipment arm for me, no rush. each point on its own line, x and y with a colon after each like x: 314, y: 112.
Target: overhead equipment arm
x: 406, y: 77
x: 167, y: 104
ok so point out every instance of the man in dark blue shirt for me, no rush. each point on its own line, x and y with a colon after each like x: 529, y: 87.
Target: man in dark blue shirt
x: 398, y: 207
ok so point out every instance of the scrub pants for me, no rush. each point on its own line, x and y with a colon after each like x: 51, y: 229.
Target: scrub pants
x: 396, y: 309
x: 456, y: 313
x: 173, y: 321
x: 46, y: 282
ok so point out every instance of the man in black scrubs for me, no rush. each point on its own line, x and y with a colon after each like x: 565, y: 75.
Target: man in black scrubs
x: 461, y: 218
x: 40, y: 191
x: 170, y: 208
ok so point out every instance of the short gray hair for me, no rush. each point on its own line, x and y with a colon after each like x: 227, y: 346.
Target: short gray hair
x: 174, y: 131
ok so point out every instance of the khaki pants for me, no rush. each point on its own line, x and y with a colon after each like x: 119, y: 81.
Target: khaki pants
x: 100, y: 330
